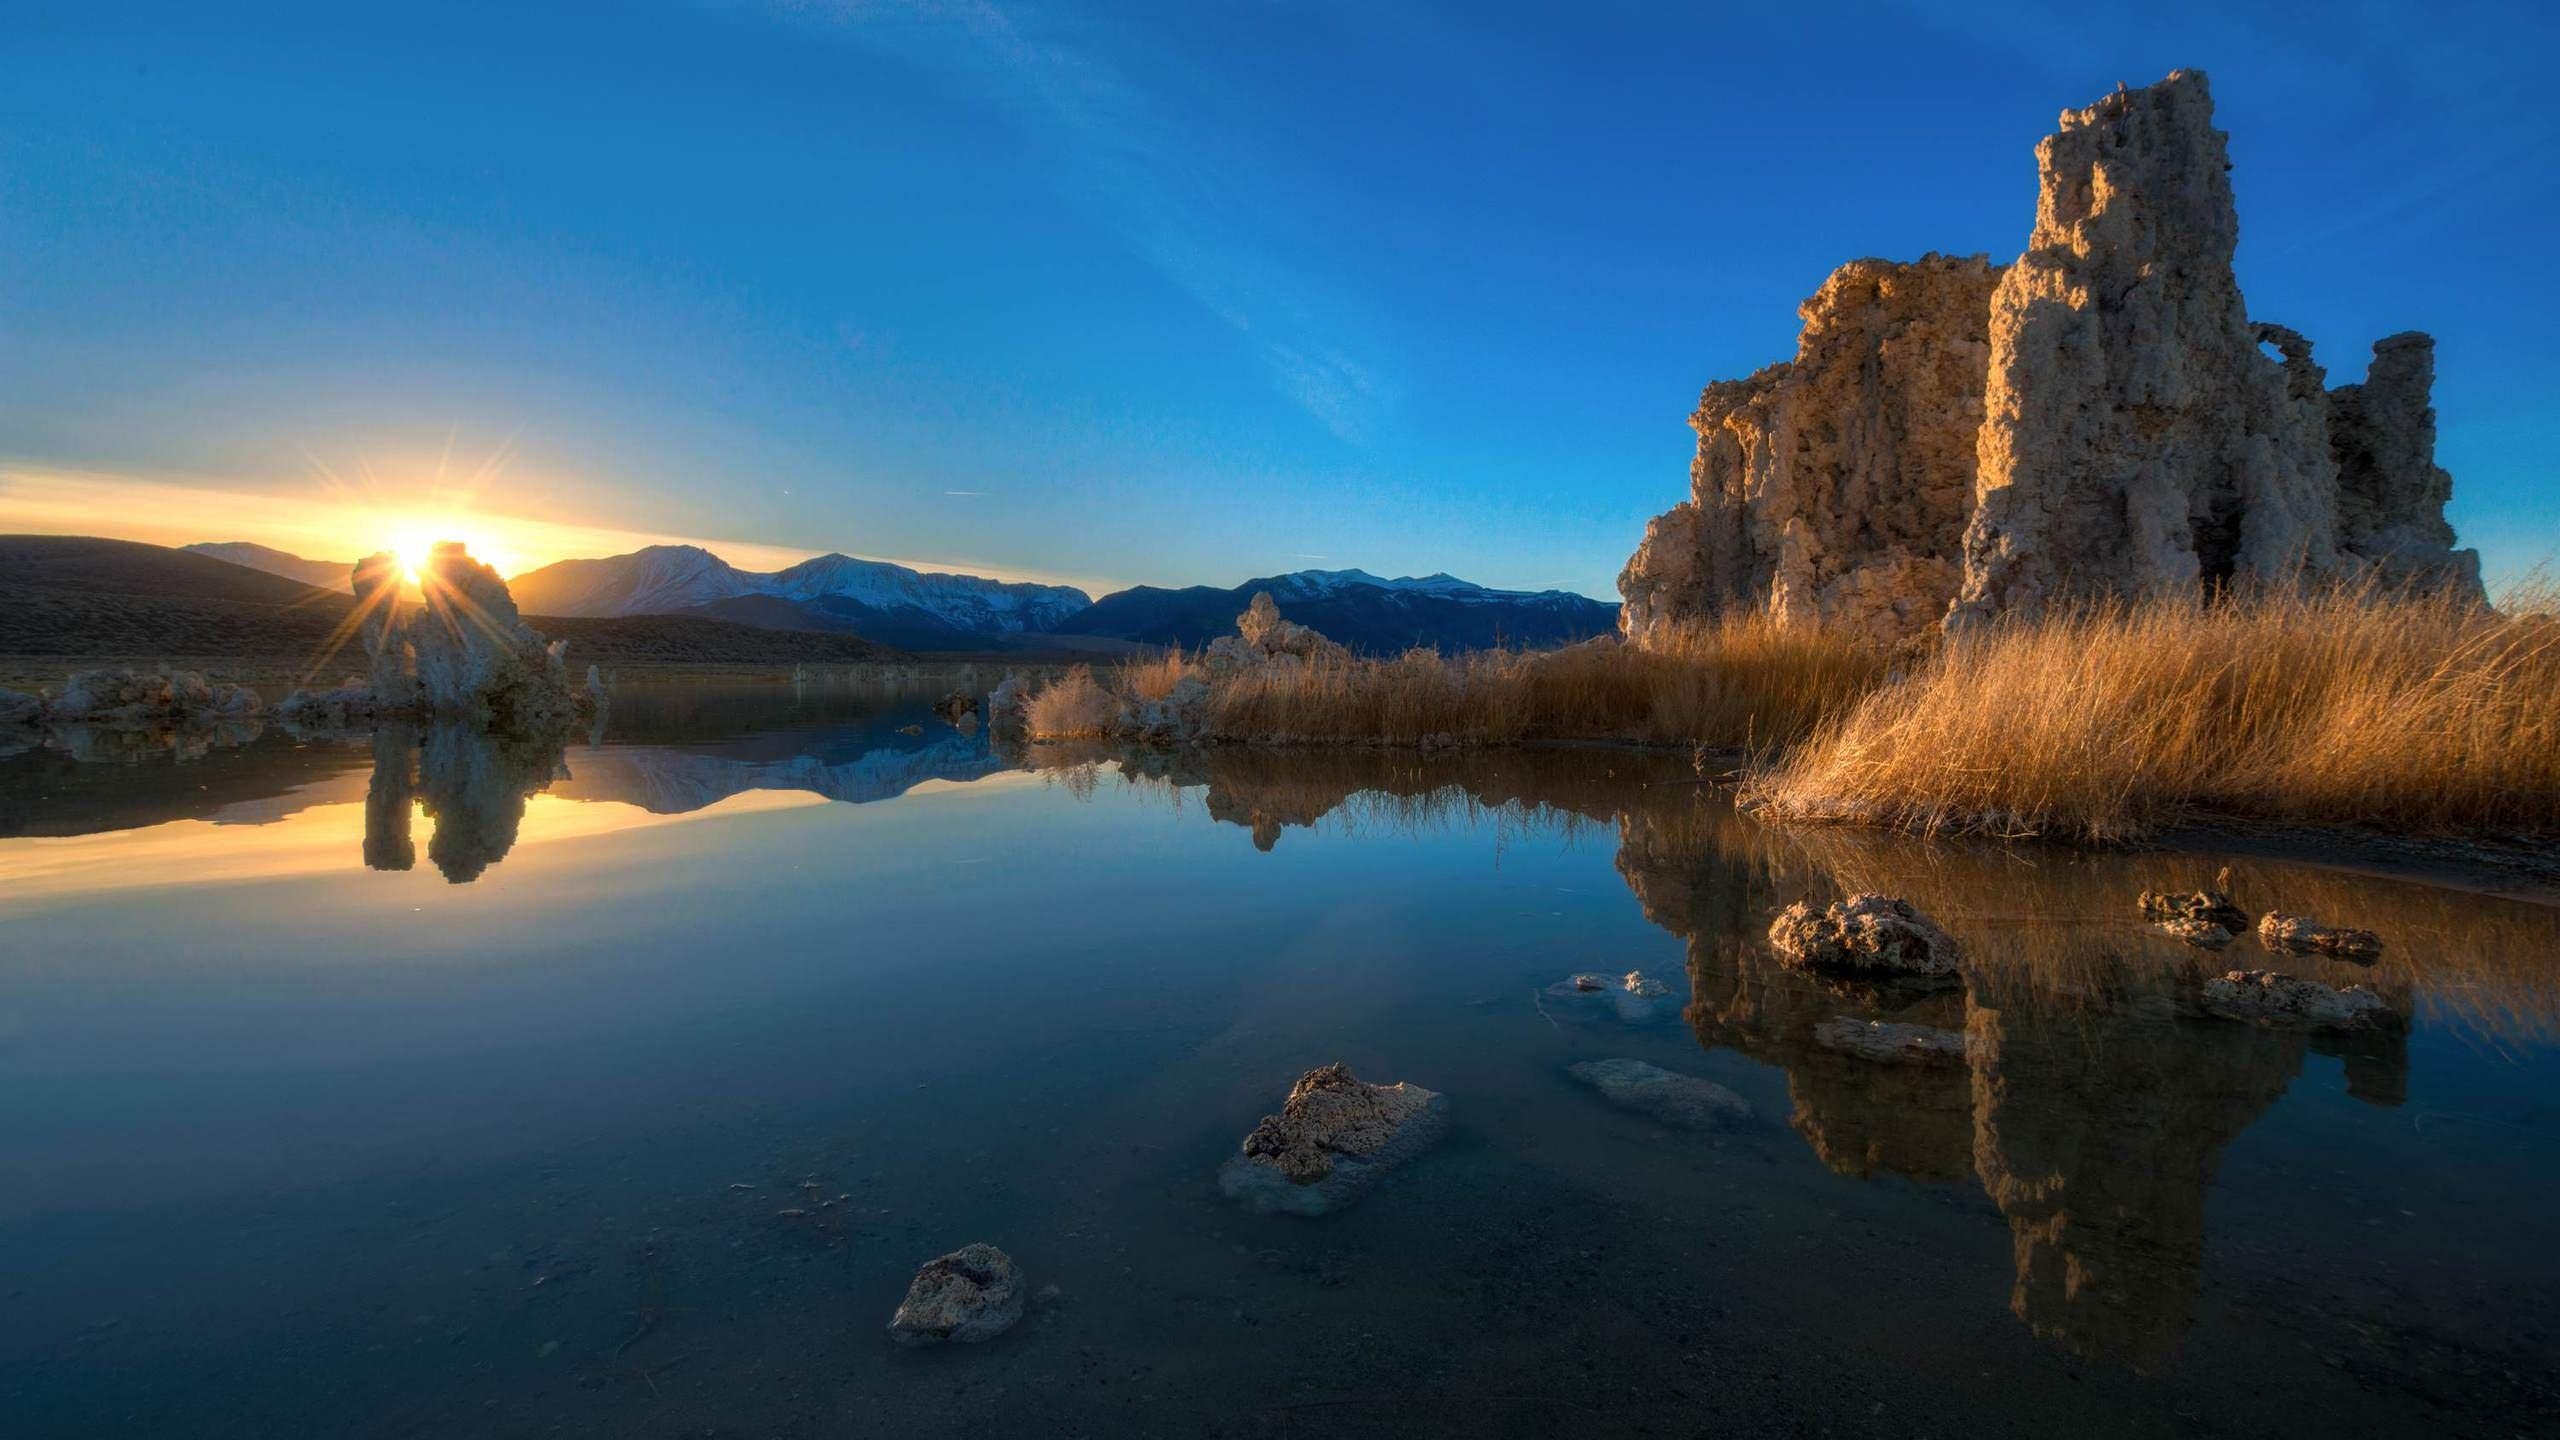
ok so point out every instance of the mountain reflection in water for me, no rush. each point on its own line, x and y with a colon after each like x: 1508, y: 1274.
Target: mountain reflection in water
x: 2076, y: 1090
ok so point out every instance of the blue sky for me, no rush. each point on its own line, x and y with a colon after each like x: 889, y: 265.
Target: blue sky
x: 1173, y: 293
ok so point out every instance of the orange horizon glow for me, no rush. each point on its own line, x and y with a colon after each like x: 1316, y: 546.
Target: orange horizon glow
x: 343, y: 523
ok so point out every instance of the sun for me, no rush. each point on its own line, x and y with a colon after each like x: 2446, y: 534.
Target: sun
x: 411, y: 548
x: 413, y: 542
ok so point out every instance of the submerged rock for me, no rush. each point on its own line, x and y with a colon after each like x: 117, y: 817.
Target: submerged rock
x: 1684, y: 1101
x: 1864, y: 934
x: 1592, y: 983
x: 1890, y: 1042
x: 2270, y: 997
x: 1335, y: 1136
x: 2304, y: 935
x: 972, y: 1294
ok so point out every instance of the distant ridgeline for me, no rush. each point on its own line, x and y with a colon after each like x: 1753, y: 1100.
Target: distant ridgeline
x: 923, y: 611
x: 1957, y: 440
x: 1357, y: 610
x: 817, y: 609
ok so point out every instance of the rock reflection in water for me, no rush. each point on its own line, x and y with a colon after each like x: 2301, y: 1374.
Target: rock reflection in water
x: 2073, y: 1076
x: 472, y: 784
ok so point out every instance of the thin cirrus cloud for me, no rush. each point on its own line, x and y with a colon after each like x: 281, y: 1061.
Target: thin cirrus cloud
x: 338, y: 522
x: 1157, y: 192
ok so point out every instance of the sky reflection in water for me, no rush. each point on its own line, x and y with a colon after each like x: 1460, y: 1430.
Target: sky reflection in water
x: 428, y: 1085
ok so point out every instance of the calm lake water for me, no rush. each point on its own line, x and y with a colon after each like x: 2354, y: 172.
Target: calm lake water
x: 425, y: 1086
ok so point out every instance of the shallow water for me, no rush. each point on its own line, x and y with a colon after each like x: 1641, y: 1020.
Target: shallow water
x: 421, y: 1086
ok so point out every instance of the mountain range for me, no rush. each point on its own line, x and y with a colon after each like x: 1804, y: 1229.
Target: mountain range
x: 1363, y: 611
x: 894, y: 605
x: 891, y: 604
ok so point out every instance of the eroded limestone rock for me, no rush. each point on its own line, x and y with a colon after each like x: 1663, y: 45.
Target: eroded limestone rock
x: 1864, y: 934
x: 2271, y: 997
x: 457, y: 653
x: 1334, y: 1137
x: 1954, y: 442
x: 119, y: 698
x: 2302, y: 934
x: 972, y: 1294
x: 1834, y: 488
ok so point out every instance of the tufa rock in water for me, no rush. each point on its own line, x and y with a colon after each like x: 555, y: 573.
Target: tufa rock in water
x: 1335, y: 1136
x: 459, y: 653
x: 1681, y: 1101
x: 1004, y: 706
x: 2205, y: 919
x: 972, y: 1294
x: 1956, y: 441
x: 2269, y: 997
x: 2302, y: 934
x: 956, y: 706
x: 1864, y: 934
x: 19, y: 708
x: 143, y: 699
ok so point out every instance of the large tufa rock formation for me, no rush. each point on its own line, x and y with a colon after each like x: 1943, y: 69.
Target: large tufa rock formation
x: 1954, y: 442
x: 1834, y: 487
x: 457, y: 652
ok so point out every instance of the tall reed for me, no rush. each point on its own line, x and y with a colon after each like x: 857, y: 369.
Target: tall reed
x: 2111, y: 721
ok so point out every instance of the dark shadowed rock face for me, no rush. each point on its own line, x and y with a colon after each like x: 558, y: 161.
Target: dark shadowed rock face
x: 1956, y: 441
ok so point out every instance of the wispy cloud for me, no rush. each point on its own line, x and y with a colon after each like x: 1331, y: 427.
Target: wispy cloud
x: 1143, y: 168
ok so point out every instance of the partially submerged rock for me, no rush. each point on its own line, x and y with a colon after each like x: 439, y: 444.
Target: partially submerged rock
x: 1683, y: 1101
x: 1335, y: 1136
x: 956, y: 706
x: 2270, y: 997
x: 2211, y: 906
x: 1635, y: 983
x: 1865, y: 935
x: 121, y: 698
x: 972, y: 1294
x: 459, y: 652
x: 2203, y: 934
x: 2303, y: 935
x: 1004, y: 706
x: 1890, y: 1042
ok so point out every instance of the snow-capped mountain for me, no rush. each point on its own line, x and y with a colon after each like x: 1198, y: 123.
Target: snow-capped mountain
x: 1364, y: 611
x: 889, y: 603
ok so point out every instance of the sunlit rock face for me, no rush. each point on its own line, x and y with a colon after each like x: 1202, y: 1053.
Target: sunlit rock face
x: 1834, y: 488
x: 1956, y: 441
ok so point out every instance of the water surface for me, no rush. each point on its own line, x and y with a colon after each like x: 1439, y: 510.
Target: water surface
x: 419, y: 1085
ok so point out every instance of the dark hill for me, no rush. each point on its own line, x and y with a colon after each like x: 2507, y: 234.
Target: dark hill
x: 77, y: 596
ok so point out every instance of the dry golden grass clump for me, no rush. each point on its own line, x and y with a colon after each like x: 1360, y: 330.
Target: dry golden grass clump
x: 1743, y: 682
x: 2102, y: 724
x: 1074, y: 706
